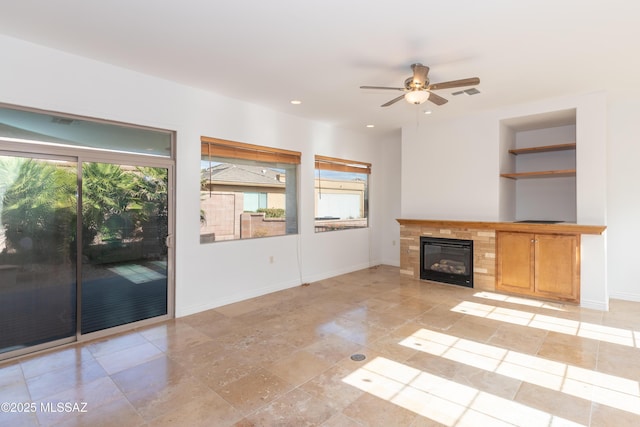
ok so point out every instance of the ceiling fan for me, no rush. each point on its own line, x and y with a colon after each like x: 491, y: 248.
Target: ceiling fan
x: 418, y: 90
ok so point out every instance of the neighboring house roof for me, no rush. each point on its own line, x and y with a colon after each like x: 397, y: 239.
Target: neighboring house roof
x: 234, y: 173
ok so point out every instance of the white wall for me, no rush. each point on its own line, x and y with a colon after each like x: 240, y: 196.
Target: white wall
x: 450, y: 170
x: 507, y: 187
x: 623, y: 191
x: 388, y: 190
x: 214, y: 274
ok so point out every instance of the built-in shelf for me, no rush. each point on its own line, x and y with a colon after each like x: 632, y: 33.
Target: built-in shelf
x: 543, y: 149
x: 541, y: 174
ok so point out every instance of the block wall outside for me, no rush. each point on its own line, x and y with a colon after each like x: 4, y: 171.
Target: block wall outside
x: 256, y: 225
x: 484, y: 251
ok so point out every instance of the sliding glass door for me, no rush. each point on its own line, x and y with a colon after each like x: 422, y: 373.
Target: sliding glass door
x: 86, y: 212
x: 38, y: 214
x: 124, y: 252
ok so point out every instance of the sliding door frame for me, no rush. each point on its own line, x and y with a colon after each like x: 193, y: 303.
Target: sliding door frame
x: 82, y: 155
x: 36, y: 155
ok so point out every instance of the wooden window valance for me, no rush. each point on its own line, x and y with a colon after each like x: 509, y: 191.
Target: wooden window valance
x: 215, y: 147
x: 341, y: 165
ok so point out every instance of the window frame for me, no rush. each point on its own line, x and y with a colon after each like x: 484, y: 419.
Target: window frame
x: 247, y: 225
x: 338, y: 165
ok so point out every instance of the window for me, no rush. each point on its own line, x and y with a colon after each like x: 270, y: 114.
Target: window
x: 30, y: 127
x: 341, y: 194
x: 253, y: 202
x: 247, y: 191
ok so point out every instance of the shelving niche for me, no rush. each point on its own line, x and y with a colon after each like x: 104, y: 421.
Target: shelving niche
x: 546, y: 173
x: 538, y: 158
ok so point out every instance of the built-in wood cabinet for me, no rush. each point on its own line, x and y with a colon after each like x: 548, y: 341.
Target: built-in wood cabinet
x: 539, y: 264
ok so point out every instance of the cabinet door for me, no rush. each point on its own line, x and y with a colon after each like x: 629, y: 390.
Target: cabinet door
x: 557, y: 269
x: 515, y: 271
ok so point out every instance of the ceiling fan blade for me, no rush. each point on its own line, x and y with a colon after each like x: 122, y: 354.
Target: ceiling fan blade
x: 437, y: 99
x: 419, y: 75
x: 381, y: 87
x: 393, y: 101
x: 455, y: 83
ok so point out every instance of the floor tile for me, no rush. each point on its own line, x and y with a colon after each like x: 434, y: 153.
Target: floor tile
x: 254, y: 390
x: 116, y: 413
x: 605, y: 416
x: 298, y: 367
x: 332, y: 348
x: 341, y: 420
x: 330, y: 385
x: 129, y: 357
x: 55, y: 359
x: 372, y: 411
x: 555, y: 403
x: 435, y: 355
x: 572, y: 350
x: 225, y: 368
x: 201, y: 410
x: 618, y: 360
x: 295, y: 408
x: 518, y: 338
x: 54, y: 382
x: 109, y: 345
x: 440, y: 317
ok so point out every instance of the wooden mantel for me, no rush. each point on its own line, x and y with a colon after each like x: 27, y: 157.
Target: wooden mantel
x: 562, y: 227
x: 483, y: 235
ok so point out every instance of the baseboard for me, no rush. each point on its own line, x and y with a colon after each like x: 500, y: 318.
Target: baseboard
x: 595, y: 305
x: 626, y: 296
x: 390, y: 262
x: 186, y: 311
x: 338, y: 272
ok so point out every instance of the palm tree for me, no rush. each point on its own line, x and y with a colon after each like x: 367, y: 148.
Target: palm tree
x: 38, y: 208
x: 150, y: 193
x: 106, y: 196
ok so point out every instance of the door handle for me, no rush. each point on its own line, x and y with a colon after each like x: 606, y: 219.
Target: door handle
x: 168, y: 241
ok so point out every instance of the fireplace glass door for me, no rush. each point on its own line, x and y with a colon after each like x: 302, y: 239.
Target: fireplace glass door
x: 447, y: 260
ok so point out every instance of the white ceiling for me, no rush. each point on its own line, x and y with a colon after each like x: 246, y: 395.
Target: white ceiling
x: 268, y: 52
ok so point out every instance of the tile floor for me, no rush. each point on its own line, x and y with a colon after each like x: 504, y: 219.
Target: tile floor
x: 435, y: 355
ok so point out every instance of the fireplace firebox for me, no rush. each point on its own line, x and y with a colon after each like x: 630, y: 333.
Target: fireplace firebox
x: 447, y: 260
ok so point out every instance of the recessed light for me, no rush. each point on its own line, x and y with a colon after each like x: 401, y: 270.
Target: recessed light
x: 296, y: 102
x: 427, y: 111
x: 371, y: 126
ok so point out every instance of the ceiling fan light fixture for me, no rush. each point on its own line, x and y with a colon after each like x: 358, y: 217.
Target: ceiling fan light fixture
x: 416, y: 96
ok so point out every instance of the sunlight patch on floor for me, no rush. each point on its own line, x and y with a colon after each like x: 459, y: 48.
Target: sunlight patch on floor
x: 443, y: 400
x: 517, y: 300
x: 610, y: 390
x: 610, y: 334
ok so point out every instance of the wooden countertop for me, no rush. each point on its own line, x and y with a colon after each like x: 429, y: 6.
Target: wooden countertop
x: 561, y: 227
